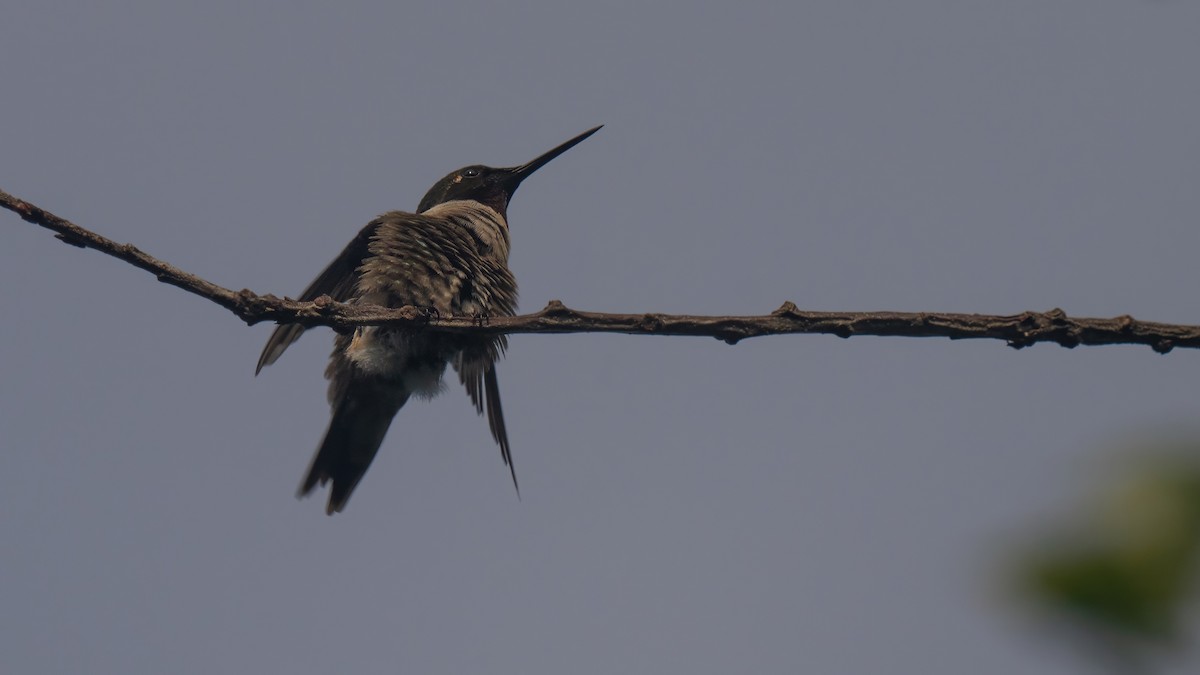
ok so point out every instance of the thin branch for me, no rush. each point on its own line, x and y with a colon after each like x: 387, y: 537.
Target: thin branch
x: 1020, y: 330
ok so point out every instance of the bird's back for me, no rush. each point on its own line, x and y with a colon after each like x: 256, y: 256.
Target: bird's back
x: 453, y: 258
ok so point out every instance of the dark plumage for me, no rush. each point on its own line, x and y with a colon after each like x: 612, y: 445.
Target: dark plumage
x: 452, y: 257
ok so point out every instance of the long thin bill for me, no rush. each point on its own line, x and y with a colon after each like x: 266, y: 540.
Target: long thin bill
x: 528, y: 168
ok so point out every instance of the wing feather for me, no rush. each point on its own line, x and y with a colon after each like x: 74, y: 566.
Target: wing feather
x: 337, y: 281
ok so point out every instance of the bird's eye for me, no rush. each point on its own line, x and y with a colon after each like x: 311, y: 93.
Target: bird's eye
x: 470, y: 173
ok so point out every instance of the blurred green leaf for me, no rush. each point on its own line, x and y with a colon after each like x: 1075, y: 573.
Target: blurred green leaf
x: 1131, y: 566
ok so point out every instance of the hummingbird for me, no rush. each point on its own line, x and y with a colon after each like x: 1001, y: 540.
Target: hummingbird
x: 449, y: 258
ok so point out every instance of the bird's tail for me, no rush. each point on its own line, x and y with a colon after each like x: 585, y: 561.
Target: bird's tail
x: 360, y: 421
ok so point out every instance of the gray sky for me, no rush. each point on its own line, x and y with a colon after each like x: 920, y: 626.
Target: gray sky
x: 792, y: 504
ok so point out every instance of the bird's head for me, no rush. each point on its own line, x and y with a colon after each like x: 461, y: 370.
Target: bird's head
x: 488, y: 185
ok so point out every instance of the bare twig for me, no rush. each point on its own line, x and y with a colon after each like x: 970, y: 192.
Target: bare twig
x: 1020, y: 330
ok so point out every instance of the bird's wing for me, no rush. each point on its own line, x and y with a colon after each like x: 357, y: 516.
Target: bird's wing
x: 479, y: 378
x: 337, y: 281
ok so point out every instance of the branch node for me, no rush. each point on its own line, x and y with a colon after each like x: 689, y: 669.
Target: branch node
x: 556, y: 309
x: 1125, y: 323
x: 1057, y: 316
x: 652, y: 322
x: 25, y: 210
x: 1163, y: 346
x: 1071, y: 340
x: 69, y: 239
x: 788, y: 308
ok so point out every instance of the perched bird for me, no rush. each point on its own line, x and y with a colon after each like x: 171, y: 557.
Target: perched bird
x: 450, y: 257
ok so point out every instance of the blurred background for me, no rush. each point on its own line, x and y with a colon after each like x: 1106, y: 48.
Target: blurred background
x: 791, y: 504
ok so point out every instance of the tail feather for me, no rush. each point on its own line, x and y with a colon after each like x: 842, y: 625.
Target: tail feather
x: 479, y: 377
x: 360, y: 421
x: 495, y: 415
